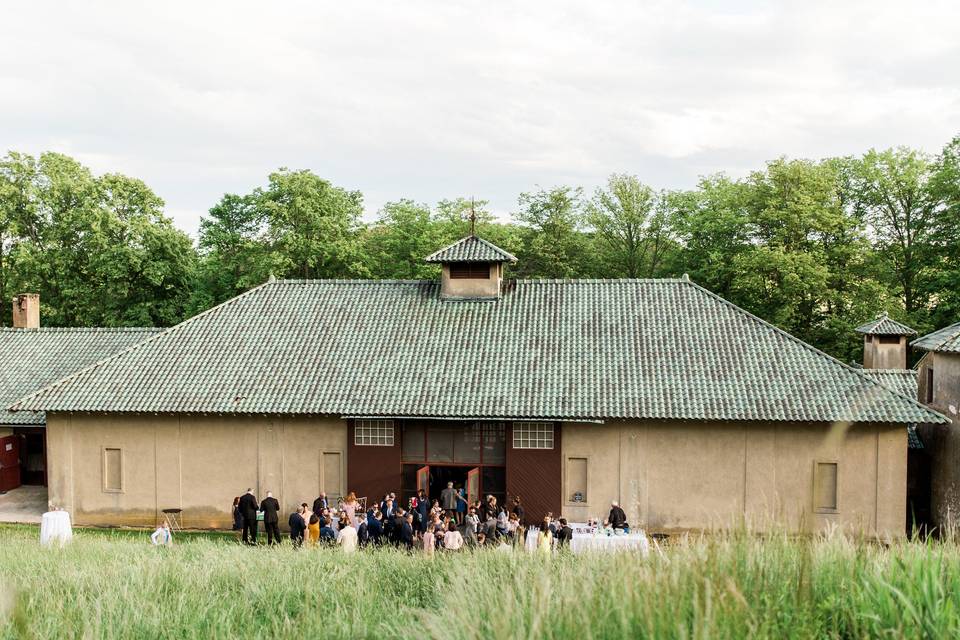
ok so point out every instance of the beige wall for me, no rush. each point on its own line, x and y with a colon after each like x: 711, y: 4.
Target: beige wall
x: 693, y: 475
x: 884, y: 356
x: 469, y: 287
x: 942, y: 442
x: 196, y: 463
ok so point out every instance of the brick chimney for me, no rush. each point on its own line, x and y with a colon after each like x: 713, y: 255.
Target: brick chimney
x: 26, y: 311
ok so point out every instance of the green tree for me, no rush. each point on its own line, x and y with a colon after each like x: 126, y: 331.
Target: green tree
x: 553, y: 244
x: 98, y: 249
x: 630, y: 221
x: 891, y: 190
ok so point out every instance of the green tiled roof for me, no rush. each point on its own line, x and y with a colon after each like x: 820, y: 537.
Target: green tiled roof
x: 944, y: 340
x: 471, y: 249
x: 552, y: 349
x: 903, y: 381
x: 886, y: 326
x: 34, y: 358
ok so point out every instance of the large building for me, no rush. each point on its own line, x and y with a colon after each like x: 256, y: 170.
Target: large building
x: 658, y: 394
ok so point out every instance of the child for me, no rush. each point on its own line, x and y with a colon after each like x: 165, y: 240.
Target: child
x: 162, y: 536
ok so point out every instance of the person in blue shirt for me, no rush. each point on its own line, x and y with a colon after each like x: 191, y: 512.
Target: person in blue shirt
x: 327, y: 533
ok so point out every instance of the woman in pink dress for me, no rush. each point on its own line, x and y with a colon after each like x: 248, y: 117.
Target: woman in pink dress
x: 350, y: 507
x: 429, y: 541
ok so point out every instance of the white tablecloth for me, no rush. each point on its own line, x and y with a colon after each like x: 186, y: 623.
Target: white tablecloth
x: 625, y: 542
x: 585, y: 540
x: 55, y: 528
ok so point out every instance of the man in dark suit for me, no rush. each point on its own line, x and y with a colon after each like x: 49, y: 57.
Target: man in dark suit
x: 617, y: 518
x: 271, y: 520
x: 423, y: 509
x: 297, y: 526
x: 406, y: 532
x: 564, y: 534
x: 320, y: 504
x: 248, y: 511
x: 399, y: 519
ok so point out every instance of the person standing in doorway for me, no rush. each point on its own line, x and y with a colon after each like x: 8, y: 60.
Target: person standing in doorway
x: 270, y: 507
x: 248, y: 510
x: 448, y: 500
x: 461, y: 505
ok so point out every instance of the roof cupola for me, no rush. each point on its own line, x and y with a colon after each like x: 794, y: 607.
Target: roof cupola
x: 885, y: 343
x: 472, y: 268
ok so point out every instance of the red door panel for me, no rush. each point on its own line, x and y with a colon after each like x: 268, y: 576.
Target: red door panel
x: 9, y: 463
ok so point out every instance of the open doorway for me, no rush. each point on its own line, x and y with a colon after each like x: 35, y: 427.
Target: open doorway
x: 440, y: 476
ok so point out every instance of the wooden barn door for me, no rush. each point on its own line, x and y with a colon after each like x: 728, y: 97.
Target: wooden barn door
x: 9, y: 462
x: 423, y: 480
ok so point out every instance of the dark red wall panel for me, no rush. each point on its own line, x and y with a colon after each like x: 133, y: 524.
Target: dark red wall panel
x: 373, y: 471
x: 535, y: 475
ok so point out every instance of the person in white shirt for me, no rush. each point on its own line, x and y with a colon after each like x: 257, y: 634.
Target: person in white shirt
x: 347, y: 538
x: 452, y: 540
x: 162, y: 536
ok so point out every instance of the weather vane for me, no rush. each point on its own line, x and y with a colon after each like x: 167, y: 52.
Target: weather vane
x: 473, y: 218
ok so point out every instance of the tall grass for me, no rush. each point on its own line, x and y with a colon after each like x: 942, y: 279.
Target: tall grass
x: 730, y: 585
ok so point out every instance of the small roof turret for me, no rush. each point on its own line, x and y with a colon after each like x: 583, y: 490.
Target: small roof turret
x: 471, y: 249
x: 885, y: 326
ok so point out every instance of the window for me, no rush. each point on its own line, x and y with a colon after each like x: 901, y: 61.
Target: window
x: 373, y: 433
x: 112, y: 470
x: 533, y: 435
x: 825, y: 494
x: 470, y: 270
x: 577, y: 480
x: 889, y: 339
x: 929, y: 385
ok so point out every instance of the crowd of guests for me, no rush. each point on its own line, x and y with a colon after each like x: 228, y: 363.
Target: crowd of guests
x: 449, y: 523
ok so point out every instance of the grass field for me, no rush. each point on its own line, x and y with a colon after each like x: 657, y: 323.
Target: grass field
x: 115, y: 585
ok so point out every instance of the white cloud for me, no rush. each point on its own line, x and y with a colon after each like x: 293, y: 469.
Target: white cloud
x: 440, y: 99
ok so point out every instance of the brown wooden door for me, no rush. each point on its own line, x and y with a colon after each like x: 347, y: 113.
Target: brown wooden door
x: 9, y: 463
x: 423, y: 480
x: 473, y: 485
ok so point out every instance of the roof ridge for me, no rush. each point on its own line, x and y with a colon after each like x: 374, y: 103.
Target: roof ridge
x: 79, y: 329
x: 373, y: 281
x: 503, y: 254
x: 810, y: 347
x: 53, y: 385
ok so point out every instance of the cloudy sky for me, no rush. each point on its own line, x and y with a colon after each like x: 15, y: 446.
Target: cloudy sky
x: 431, y: 100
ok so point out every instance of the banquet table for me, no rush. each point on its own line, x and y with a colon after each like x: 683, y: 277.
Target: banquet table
x: 601, y: 542
x: 55, y: 528
x: 585, y: 540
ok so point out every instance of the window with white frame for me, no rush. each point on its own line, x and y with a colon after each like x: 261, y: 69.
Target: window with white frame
x: 533, y: 435
x: 373, y: 433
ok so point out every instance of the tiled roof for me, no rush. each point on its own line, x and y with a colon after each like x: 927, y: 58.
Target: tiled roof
x: 552, y: 349
x: 886, y: 326
x: 903, y: 381
x: 944, y: 340
x: 34, y: 358
x: 471, y: 249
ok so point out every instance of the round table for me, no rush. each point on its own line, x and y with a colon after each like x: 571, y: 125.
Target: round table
x: 55, y: 528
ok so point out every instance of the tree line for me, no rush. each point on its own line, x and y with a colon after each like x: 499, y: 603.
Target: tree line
x: 814, y: 247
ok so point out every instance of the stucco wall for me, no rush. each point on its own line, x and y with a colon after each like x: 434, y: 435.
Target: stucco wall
x: 692, y: 475
x: 878, y: 355
x: 195, y: 463
x: 942, y: 442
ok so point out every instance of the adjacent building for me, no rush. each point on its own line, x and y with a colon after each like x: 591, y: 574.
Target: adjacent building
x: 939, y: 388
x: 34, y: 357
x: 684, y: 408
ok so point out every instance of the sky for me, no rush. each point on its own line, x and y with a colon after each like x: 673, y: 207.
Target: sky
x: 433, y: 100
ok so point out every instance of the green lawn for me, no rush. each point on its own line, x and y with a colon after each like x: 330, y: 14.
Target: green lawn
x: 111, y: 584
